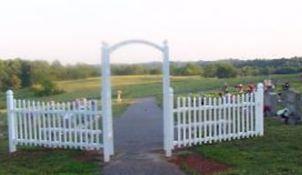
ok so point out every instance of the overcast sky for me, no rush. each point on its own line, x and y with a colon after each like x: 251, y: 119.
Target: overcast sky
x: 72, y: 30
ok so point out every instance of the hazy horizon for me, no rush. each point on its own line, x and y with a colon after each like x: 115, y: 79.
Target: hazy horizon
x: 72, y: 31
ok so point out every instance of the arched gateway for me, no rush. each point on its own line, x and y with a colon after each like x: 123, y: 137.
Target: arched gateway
x: 187, y: 120
x: 106, y: 95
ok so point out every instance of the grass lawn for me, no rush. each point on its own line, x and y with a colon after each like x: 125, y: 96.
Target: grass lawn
x: 279, y: 151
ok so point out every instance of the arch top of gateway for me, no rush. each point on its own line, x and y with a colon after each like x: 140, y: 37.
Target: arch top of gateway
x: 114, y: 47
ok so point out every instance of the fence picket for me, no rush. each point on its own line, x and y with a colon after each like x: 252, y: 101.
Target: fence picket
x: 44, y: 136
x: 215, y: 119
x: 38, y: 117
x: 194, y: 121
x: 243, y: 116
x: 184, y: 132
x: 199, y: 116
x: 228, y: 119
x: 178, y: 123
x: 248, y: 117
x: 33, y: 122
x: 253, y: 114
x: 206, y: 120
x: 210, y: 120
x: 97, y: 123
x: 238, y: 116
x: 20, y: 120
x: 189, y: 124
x: 86, y: 115
x: 234, y: 117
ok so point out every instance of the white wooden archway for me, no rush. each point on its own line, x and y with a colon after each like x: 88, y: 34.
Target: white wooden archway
x: 106, y: 95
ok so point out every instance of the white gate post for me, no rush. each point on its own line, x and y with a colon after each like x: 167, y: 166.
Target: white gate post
x: 109, y: 95
x: 11, y: 121
x: 259, y: 110
x: 166, y: 99
x: 106, y: 103
x: 170, y: 119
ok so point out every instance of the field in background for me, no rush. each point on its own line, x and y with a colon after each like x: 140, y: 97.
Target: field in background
x: 145, y: 85
x: 276, y: 152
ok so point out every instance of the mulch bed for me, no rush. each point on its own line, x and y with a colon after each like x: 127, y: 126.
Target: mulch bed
x: 197, y: 164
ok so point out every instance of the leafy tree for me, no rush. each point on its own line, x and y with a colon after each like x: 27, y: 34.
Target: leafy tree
x: 210, y: 70
x: 248, y: 70
x: 15, y: 82
x: 192, y: 69
x: 26, y: 74
x: 225, y: 71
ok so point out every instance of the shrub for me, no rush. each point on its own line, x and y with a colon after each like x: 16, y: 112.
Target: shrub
x: 46, y: 88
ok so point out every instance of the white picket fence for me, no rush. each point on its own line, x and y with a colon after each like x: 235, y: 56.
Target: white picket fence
x: 200, y: 120
x: 54, y: 125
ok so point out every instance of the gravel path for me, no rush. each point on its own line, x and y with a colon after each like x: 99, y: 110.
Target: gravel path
x: 138, y: 136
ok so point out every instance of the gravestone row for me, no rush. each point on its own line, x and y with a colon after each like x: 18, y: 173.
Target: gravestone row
x: 289, y: 100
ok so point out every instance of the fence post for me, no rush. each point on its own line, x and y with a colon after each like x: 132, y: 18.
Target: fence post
x: 11, y: 121
x: 166, y: 98
x: 106, y: 103
x: 169, y: 124
x: 259, y: 109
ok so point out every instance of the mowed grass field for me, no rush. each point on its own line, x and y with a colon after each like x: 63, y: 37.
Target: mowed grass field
x: 278, y: 152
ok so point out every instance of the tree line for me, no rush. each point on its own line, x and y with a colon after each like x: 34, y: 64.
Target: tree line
x: 40, y: 75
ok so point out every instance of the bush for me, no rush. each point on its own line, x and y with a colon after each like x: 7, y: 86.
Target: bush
x: 46, y: 88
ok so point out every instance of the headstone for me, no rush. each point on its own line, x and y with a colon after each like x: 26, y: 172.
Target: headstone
x: 270, y: 103
x: 119, y: 96
x: 293, y: 101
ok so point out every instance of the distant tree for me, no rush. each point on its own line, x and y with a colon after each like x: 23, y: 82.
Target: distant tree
x: 2, y: 75
x: 129, y: 70
x: 226, y: 71
x: 15, y: 82
x: 286, y: 70
x: 175, y: 70
x: 137, y: 70
x: 40, y: 71
x: 57, y: 70
x: 210, y: 70
x: 26, y: 75
x: 155, y: 71
x: 248, y: 71
x: 192, y: 69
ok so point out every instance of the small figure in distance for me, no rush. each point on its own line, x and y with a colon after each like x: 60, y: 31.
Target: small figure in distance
x: 286, y: 86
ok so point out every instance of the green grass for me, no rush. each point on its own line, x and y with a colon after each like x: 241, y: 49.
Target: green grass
x: 261, y: 155
x: 278, y: 152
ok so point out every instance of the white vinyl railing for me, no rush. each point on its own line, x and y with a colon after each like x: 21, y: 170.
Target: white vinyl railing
x: 54, y: 125
x: 199, y: 120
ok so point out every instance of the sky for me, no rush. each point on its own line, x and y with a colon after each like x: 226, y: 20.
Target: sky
x: 73, y: 30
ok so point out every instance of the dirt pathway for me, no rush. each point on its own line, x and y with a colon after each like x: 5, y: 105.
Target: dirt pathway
x: 138, y: 136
